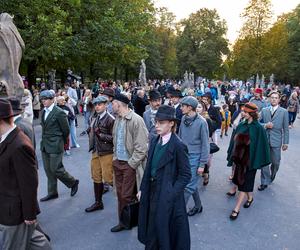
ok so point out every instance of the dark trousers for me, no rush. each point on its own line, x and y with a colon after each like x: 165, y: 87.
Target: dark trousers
x: 125, y: 178
x: 152, y: 242
x: 54, y: 169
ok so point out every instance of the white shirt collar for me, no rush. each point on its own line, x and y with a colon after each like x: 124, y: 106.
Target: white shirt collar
x: 50, y: 108
x: 166, y: 138
x: 176, y: 105
x: 16, y: 117
x: 3, y: 137
x: 274, y: 108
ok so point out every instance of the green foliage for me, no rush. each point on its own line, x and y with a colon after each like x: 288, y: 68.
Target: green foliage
x: 202, y: 43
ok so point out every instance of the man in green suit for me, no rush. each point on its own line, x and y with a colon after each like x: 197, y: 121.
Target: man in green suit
x: 55, y: 131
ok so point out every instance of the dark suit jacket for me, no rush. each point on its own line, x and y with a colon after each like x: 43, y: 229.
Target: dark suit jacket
x: 178, y: 116
x: 55, y: 131
x: 18, y: 179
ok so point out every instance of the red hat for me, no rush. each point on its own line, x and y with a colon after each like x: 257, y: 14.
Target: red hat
x: 259, y: 91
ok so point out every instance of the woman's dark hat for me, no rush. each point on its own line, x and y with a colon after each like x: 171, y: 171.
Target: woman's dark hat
x: 166, y: 113
x: 122, y: 98
x: 154, y: 95
x: 5, y: 109
x: 16, y: 105
x: 176, y: 93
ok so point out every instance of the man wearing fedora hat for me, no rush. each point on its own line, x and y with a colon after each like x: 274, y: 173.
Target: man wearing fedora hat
x: 176, y: 95
x: 163, y: 222
x: 149, y: 115
x: 55, y: 131
x: 18, y: 200
x: 110, y: 94
x: 130, y: 137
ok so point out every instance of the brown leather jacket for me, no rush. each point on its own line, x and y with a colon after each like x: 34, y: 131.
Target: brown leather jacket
x: 100, y: 134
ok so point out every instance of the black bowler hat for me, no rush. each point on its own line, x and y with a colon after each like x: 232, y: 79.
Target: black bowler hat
x: 154, y: 95
x: 176, y: 93
x: 5, y: 109
x: 122, y: 98
x: 166, y: 113
x: 16, y: 105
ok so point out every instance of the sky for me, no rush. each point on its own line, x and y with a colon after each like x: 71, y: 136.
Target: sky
x: 229, y: 10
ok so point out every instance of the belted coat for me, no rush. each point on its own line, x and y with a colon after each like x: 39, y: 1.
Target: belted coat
x: 173, y: 174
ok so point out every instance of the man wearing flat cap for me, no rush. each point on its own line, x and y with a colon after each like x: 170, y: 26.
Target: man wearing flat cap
x: 101, y: 146
x: 149, y: 115
x: 130, y: 139
x: 55, y: 131
x: 18, y: 199
x: 193, y: 132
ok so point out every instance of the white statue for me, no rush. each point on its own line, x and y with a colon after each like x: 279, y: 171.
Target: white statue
x: 142, y: 75
x: 11, y: 49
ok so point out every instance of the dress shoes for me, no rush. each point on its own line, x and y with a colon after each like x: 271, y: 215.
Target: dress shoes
x: 262, y: 187
x: 98, y: 205
x: 74, y: 188
x: 195, y: 210
x: 49, y: 197
x: 117, y: 228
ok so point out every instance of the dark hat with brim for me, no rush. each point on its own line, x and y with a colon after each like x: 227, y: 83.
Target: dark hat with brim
x: 109, y: 92
x: 154, y: 95
x: 176, y: 93
x: 166, y: 113
x: 6, y: 110
x: 16, y: 105
x: 122, y: 98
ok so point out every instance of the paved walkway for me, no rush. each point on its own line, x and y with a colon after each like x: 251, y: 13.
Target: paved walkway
x: 272, y: 222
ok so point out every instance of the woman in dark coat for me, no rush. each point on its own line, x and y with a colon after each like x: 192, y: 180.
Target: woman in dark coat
x: 163, y: 222
x: 249, y: 151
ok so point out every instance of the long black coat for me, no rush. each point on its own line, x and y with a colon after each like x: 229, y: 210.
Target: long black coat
x: 18, y: 179
x: 173, y: 174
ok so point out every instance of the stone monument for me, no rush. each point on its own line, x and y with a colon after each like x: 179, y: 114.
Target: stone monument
x: 142, y: 75
x: 11, y: 49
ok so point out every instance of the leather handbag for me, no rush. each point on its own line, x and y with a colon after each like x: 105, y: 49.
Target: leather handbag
x: 213, y: 148
x: 130, y: 215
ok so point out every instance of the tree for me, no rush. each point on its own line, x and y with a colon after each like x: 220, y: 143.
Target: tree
x: 202, y: 43
x: 257, y: 16
x: 294, y: 45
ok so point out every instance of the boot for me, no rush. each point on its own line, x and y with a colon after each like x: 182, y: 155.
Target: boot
x: 98, y: 205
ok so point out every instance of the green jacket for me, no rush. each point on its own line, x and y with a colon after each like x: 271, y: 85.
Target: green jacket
x: 55, y: 131
x: 259, y: 146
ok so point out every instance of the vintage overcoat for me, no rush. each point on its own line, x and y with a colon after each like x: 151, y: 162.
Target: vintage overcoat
x: 18, y: 180
x: 55, y: 131
x: 259, y: 146
x: 173, y: 174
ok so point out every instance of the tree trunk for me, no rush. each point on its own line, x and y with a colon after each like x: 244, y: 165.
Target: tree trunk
x: 31, y: 73
x: 115, y: 73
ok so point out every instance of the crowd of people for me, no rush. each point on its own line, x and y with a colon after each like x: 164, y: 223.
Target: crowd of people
x: 152, y: 144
